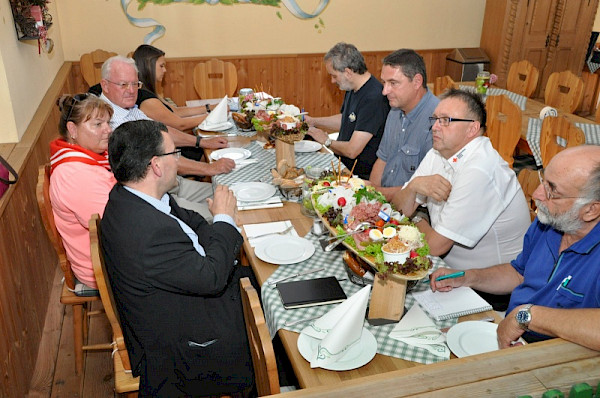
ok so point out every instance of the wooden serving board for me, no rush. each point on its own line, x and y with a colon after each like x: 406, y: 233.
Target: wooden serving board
x: 414, y: 276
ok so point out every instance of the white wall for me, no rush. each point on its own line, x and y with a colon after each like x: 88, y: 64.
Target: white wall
x: 25, y: 75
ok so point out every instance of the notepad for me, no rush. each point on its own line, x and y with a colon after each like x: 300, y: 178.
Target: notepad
x: 311, y: 292
x: 453, y: 304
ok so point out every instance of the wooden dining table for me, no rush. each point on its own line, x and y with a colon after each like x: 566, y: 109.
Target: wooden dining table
x: 529, y: 369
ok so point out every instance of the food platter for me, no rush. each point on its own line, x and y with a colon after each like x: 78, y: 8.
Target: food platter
x: 370, y: 260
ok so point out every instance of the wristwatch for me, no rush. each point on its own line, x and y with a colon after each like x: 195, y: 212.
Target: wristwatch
x: 416, y: 219
x: 198, y: 138
x: 523, y: 316
x: 327, y: 142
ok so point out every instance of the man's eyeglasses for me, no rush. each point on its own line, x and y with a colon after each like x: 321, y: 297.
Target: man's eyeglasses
x: 125, y: 86
x: 548, y: 190
x: 176, y: 153
x: 445, y: 120
x: 77, y: 98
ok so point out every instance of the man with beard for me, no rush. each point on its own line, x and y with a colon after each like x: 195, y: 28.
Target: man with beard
x: 362, y: 118
x: 554, y: 281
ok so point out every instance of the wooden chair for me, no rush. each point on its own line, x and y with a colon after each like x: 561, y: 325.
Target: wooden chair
x: 124, y: 381
x: 552, y: 129
x: 564, y: 91
x: 215, y: 79
x: 504, y: 125
x: 261, y: 347
x: 91, y: 65
x: 598, y: 114
x: 522, y: 78
x: 80, y: 305
x: 442, y: 83
x: 529, y: 181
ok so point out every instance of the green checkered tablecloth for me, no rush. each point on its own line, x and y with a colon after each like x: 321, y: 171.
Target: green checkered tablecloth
x: 591, y: 132
x: 261, y: 170
x: 518, y: 99
x: 277, y: 316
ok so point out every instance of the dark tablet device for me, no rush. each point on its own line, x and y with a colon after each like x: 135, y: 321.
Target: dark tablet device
x: 311, y: 292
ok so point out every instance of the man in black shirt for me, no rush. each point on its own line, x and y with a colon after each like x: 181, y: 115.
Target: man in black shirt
x: 362, y: 117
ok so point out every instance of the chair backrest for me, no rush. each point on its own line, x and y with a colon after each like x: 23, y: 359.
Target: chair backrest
x: 529, y: 181
x: 43, y: 198
x: 106, y: 292
x: 442, y: 83
x: 598, y: 114
x: 522, y: 78
x: 91, y: 65
x: 564, y: 91
x: 215, y: 79
x: 504, y: 125
x: 261, y: 347
x: 557, y: 134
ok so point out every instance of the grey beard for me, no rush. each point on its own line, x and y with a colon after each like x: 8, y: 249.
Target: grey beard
x: 567, y: 222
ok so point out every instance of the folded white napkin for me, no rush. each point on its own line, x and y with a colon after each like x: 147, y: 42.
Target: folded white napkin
x: 253, y: 230
x: 244, y: 162
x: 273, y: 201
x: 417, y: 329
x: 217, y: 118
x: 339, y: 329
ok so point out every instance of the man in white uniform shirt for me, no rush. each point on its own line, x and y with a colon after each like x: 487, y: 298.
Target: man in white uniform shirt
x: 476, y: 206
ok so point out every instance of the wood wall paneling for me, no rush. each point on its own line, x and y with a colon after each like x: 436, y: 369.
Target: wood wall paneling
x: 299, y: 79
x: 27, y: 259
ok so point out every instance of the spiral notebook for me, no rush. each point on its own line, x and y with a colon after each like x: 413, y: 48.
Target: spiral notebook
x: 453, y: 304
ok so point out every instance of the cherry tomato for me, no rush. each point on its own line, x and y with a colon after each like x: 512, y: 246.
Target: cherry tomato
x: 326, y: 184
x: 394, y: 221
x: 341, y: 202
x: 380, y: 223
x: 413, y: 254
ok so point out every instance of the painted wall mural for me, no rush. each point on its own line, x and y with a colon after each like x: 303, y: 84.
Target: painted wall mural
x: 159, y: 30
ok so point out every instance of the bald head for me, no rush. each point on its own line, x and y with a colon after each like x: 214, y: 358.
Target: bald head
x: 580, y: 166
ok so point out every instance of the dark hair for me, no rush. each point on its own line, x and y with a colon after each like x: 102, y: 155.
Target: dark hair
x: 343, y: 56
x: 131, y: 147
x: 145, y: 57
x: 410, y: 62
x: 475, y: 105
x: 78, y: 109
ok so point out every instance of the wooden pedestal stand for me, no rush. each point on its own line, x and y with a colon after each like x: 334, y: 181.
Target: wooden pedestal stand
x: 387, y: 300
x: 283, y: 150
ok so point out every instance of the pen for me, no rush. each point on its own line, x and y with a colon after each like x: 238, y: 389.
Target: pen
x: 448, y: 276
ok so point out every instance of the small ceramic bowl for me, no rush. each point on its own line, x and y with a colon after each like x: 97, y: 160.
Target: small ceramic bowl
x: 399, y: 258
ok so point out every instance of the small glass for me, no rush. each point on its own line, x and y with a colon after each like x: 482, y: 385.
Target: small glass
x: 244, y: 92
x: 482, y: 82
x: 307, y: 207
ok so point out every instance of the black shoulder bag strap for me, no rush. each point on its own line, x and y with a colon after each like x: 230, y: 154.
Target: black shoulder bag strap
x: 10, y: 170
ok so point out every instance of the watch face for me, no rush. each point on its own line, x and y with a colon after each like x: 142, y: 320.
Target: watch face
x: 523, y: 317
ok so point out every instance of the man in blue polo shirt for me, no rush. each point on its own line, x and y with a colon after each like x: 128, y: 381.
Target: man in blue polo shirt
x: 555, y: 281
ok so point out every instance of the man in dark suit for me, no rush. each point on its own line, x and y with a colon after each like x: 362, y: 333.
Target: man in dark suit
x: 174, y: 275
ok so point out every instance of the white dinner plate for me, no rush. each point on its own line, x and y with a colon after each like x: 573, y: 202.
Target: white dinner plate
x: 358, y: 355
x: 252, y: 191
x: 472, y: 338
x: 284, y: 249
x: 219, y: 127
x: 231, y: 153
x: 306, y: 146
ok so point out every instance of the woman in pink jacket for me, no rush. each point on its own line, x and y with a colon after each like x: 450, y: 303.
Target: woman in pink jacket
x: 81, y: 179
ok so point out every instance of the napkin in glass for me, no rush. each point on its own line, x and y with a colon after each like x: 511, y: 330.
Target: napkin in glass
x: 417, y: 329
x: 339, y: 329
x: 217, y: 118
x: 253, y: 230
